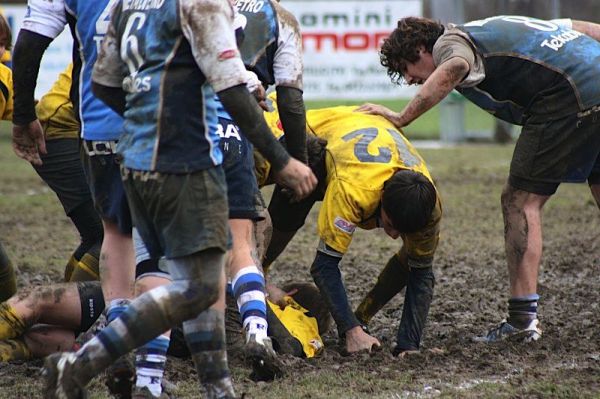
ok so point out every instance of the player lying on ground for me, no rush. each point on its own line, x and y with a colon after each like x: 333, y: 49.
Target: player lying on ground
x: 43, y: 320
x: 369, y: 176
x: 539, y: 74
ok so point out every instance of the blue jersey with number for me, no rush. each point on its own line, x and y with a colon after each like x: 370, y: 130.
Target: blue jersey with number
x: 533, y: 67
x: 171, y: 118
x: 98, y: 121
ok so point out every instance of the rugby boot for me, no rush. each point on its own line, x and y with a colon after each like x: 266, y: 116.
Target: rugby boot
x: 120, y: 377
x: 59, y: 377
x: 506, y: 332
x: 265, y: 364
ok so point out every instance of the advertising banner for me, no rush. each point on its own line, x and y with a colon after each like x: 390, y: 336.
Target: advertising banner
x: 341, y: 40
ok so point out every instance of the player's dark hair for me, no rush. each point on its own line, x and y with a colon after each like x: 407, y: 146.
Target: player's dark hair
x: 403, y: 44
x: 309, y: 297
x: 408, y: 200
x: 5, y: 32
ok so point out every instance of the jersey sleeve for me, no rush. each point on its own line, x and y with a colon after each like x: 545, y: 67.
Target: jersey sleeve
x: 344, y: 207
x: 208, y: 26
x: 287, y: 63
x: 565, y: 23
x: 6, y: 94
x: 421, y: 245
x: 454, y: 44
x: 47, y: 18
x: 109, y: 68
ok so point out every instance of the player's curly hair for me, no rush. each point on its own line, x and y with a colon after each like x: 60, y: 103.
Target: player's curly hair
x: 408, y: 200
x: 403, y: 43
x: 5, y: 32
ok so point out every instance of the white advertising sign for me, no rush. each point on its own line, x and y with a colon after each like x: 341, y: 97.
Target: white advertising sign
x: 57, y: 56
x: 341, y: 41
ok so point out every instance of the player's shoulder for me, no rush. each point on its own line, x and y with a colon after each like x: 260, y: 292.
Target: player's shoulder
x: 204, y: 8
x: 285, y: 17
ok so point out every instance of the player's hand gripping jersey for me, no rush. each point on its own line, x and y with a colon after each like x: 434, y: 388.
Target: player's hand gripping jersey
x: 363, y: 152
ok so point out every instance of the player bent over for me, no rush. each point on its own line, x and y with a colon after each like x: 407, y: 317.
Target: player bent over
x: 369, y: 176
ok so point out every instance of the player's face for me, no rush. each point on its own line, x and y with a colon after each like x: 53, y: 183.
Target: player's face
x: 416, y: 73
x: 386, y: 223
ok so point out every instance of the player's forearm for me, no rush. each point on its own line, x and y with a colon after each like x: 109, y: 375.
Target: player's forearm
x: 293, y: 119
x: 441, y: 82
x: 27, y: 56
x: 114, y: 97
x: 326, y: 274
x: 244, y: 110
x: 589, y: 28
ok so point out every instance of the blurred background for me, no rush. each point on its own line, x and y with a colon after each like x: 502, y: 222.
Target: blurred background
x: 341, y: 38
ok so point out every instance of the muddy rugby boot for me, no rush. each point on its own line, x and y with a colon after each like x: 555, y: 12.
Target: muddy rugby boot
x: 144, y: 393
x: 265, y: 364
x: 59, y: 377
x: 120, y: 377
x: 506, y: 332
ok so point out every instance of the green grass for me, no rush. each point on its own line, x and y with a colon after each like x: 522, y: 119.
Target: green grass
x: 427, y: 127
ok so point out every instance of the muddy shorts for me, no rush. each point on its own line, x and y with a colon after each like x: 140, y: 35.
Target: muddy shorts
x: 550, y: 152
x: 92, y: 303
x: 101, y: 166
x: 179, y: 214
x: 245, y: 200
x: 62, y: 171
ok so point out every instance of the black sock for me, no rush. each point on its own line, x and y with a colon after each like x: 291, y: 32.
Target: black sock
x: 522, y: 310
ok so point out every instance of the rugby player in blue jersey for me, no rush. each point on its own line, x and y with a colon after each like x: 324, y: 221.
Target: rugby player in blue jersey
x: 542, y: 75
x: 162, y: 62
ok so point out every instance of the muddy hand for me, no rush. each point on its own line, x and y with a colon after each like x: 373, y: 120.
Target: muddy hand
x: 358, y: 340
x: 277, y: 295
x: 377, y: 109
x: 29, y: 142
x: 298, y: 177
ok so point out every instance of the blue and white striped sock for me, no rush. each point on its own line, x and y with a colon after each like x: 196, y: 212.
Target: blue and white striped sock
x: 249, y: 292
x: 150, y: 361
x: 115, y: 308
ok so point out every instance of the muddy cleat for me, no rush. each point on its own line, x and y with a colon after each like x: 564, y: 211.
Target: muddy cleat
x: 266, y: 366
x: 506, y: 332
x: 120, y: 377
x: 59, y: 378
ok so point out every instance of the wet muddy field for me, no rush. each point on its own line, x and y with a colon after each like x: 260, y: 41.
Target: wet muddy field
x: 470, y: 294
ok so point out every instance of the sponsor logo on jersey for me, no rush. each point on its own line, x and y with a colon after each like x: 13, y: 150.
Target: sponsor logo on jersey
x: 344, y: 225
x: 561, y: 39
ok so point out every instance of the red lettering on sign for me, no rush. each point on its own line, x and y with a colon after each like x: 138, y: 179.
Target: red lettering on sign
x: 347, y: 41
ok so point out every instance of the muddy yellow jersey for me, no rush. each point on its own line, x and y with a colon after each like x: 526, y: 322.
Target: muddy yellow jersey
x: 55, y: 110
x: 363, y: 152
x: 300, y: 325
x: 6, y: 93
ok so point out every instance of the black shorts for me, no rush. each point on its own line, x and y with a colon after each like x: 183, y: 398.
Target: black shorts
x: 63, y: 172
x: 179, y: 214
x: 101, y: 168
x: 92, y: 303
x: 245, y: 200
x: 550, y: 152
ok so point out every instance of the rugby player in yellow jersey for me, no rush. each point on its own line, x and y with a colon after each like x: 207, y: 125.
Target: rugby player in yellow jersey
x: 8, y: 281
x: 62, y: 170
x: 369, y: 176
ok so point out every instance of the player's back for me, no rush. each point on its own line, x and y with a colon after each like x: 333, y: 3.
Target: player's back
x: 365, y: 150
x: 170, y: 105
x: 91, y: 20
